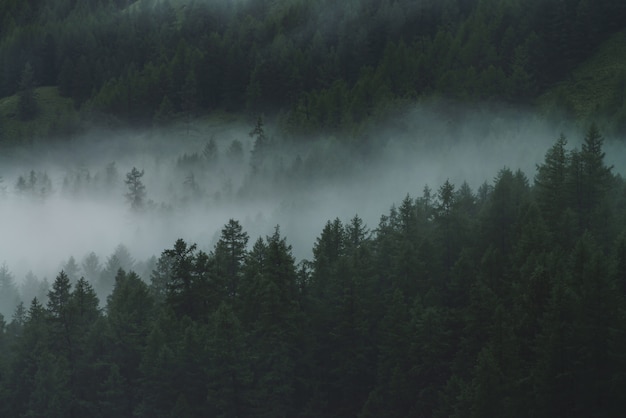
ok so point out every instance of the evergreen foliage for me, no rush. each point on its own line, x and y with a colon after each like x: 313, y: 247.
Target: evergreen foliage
x: 136, y: 194
x: 323, y: 64
x: 507, y: 301
x: 27, y: 106
x: 458, y: 304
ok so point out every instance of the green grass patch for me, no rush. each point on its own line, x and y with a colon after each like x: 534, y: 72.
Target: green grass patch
x: 56, y: 116
x: 596, y: 89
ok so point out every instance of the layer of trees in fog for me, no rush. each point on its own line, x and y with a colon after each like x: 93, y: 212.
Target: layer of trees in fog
x: 164, y: 252
x: 502, y: 300
x: 144, y: 189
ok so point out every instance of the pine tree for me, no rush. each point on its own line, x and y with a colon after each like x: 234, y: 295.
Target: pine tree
x: 9, y: 295
x: 31, y: 287
x: 445, y: 222
x: 230, y: 372
x: 51, y: 394
x: 136, y: 194
x: 71, y: 269
x: 159, y: 278
x: 210, y: 153
x: 230, y: 254
x: 329, y: 248
x: 130, y: 313
x: 510, y: 191
x: 91, y: 268
x: 550, y: 183
x: 87, y: 337
x: 112, y: 394
x: 59, y: 296
x: 596, y: 176
x: 64, y: 352
x: 393, y: 394
x: 120, y: 259
x: 351, y: 369
x: 187, y: 291
x: 270, y: 297
x: 159, y: 369
x: 84, y: 306
x: 31, y: 347
x: 259, y: 149
x: 18, y: 320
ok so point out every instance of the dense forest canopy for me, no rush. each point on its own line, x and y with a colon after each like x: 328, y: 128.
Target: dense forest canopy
x: 505, y: 300
x: 191, y: 220
x: 319, y: 64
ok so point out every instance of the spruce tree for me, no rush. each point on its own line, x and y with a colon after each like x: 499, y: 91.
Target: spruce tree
x: 136, y: 194
x: 230, y: 253
x: 550, y: 183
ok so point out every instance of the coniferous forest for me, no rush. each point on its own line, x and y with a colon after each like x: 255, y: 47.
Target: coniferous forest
x: 509, y: 300
x: 506, y: 299
x: 319, y: 65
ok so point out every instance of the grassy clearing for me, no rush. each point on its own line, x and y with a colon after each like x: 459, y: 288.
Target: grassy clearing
x: 56, y: 116
x: 597, y: 88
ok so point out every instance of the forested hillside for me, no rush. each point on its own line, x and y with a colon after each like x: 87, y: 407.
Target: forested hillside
x: 137, y: 122
x: 321, y: 65
x: 508, y: 301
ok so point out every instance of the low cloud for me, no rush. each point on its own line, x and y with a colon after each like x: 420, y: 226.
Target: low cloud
x: 301, y: 186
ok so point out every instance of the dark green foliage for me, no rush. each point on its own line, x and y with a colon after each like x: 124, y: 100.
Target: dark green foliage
x: 9, y: 296
x: 230, y: 254
x: 260, y: 148
x: 596, y: 176
x: 550, y: 183
x: 507, y: 302
x: 230, y: 372
x: 59, y: 297
x: 273, y: 317
x: 325, y: 65
x: 27, y: 106
x: 164, y: 113
x: 130, y: 312
x: 187, y: 285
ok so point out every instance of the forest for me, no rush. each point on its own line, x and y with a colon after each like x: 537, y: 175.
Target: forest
x: 508, y: 300
x: 316, y: 65
x: 312, y: 208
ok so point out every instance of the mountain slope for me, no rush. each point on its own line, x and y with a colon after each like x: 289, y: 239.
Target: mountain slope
x: 56, y: 116
x: 596, y: 88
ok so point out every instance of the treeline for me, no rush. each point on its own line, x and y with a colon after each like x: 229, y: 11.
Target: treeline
x: 235, y: 170
x: 99, y: 272
x: 505, y: 301
x: 324, y: 64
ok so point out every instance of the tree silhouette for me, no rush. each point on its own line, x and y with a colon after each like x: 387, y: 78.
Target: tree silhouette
x: 136, y: 190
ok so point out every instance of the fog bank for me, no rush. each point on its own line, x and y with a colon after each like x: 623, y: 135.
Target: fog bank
x: 191, y: 193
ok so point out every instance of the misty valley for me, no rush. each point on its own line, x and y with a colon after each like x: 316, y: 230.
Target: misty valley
x: 312, y: 208
x: 240, y: 273
x: 192, y: 186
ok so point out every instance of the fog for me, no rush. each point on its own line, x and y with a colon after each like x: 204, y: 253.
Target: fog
x: 300, y: 184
